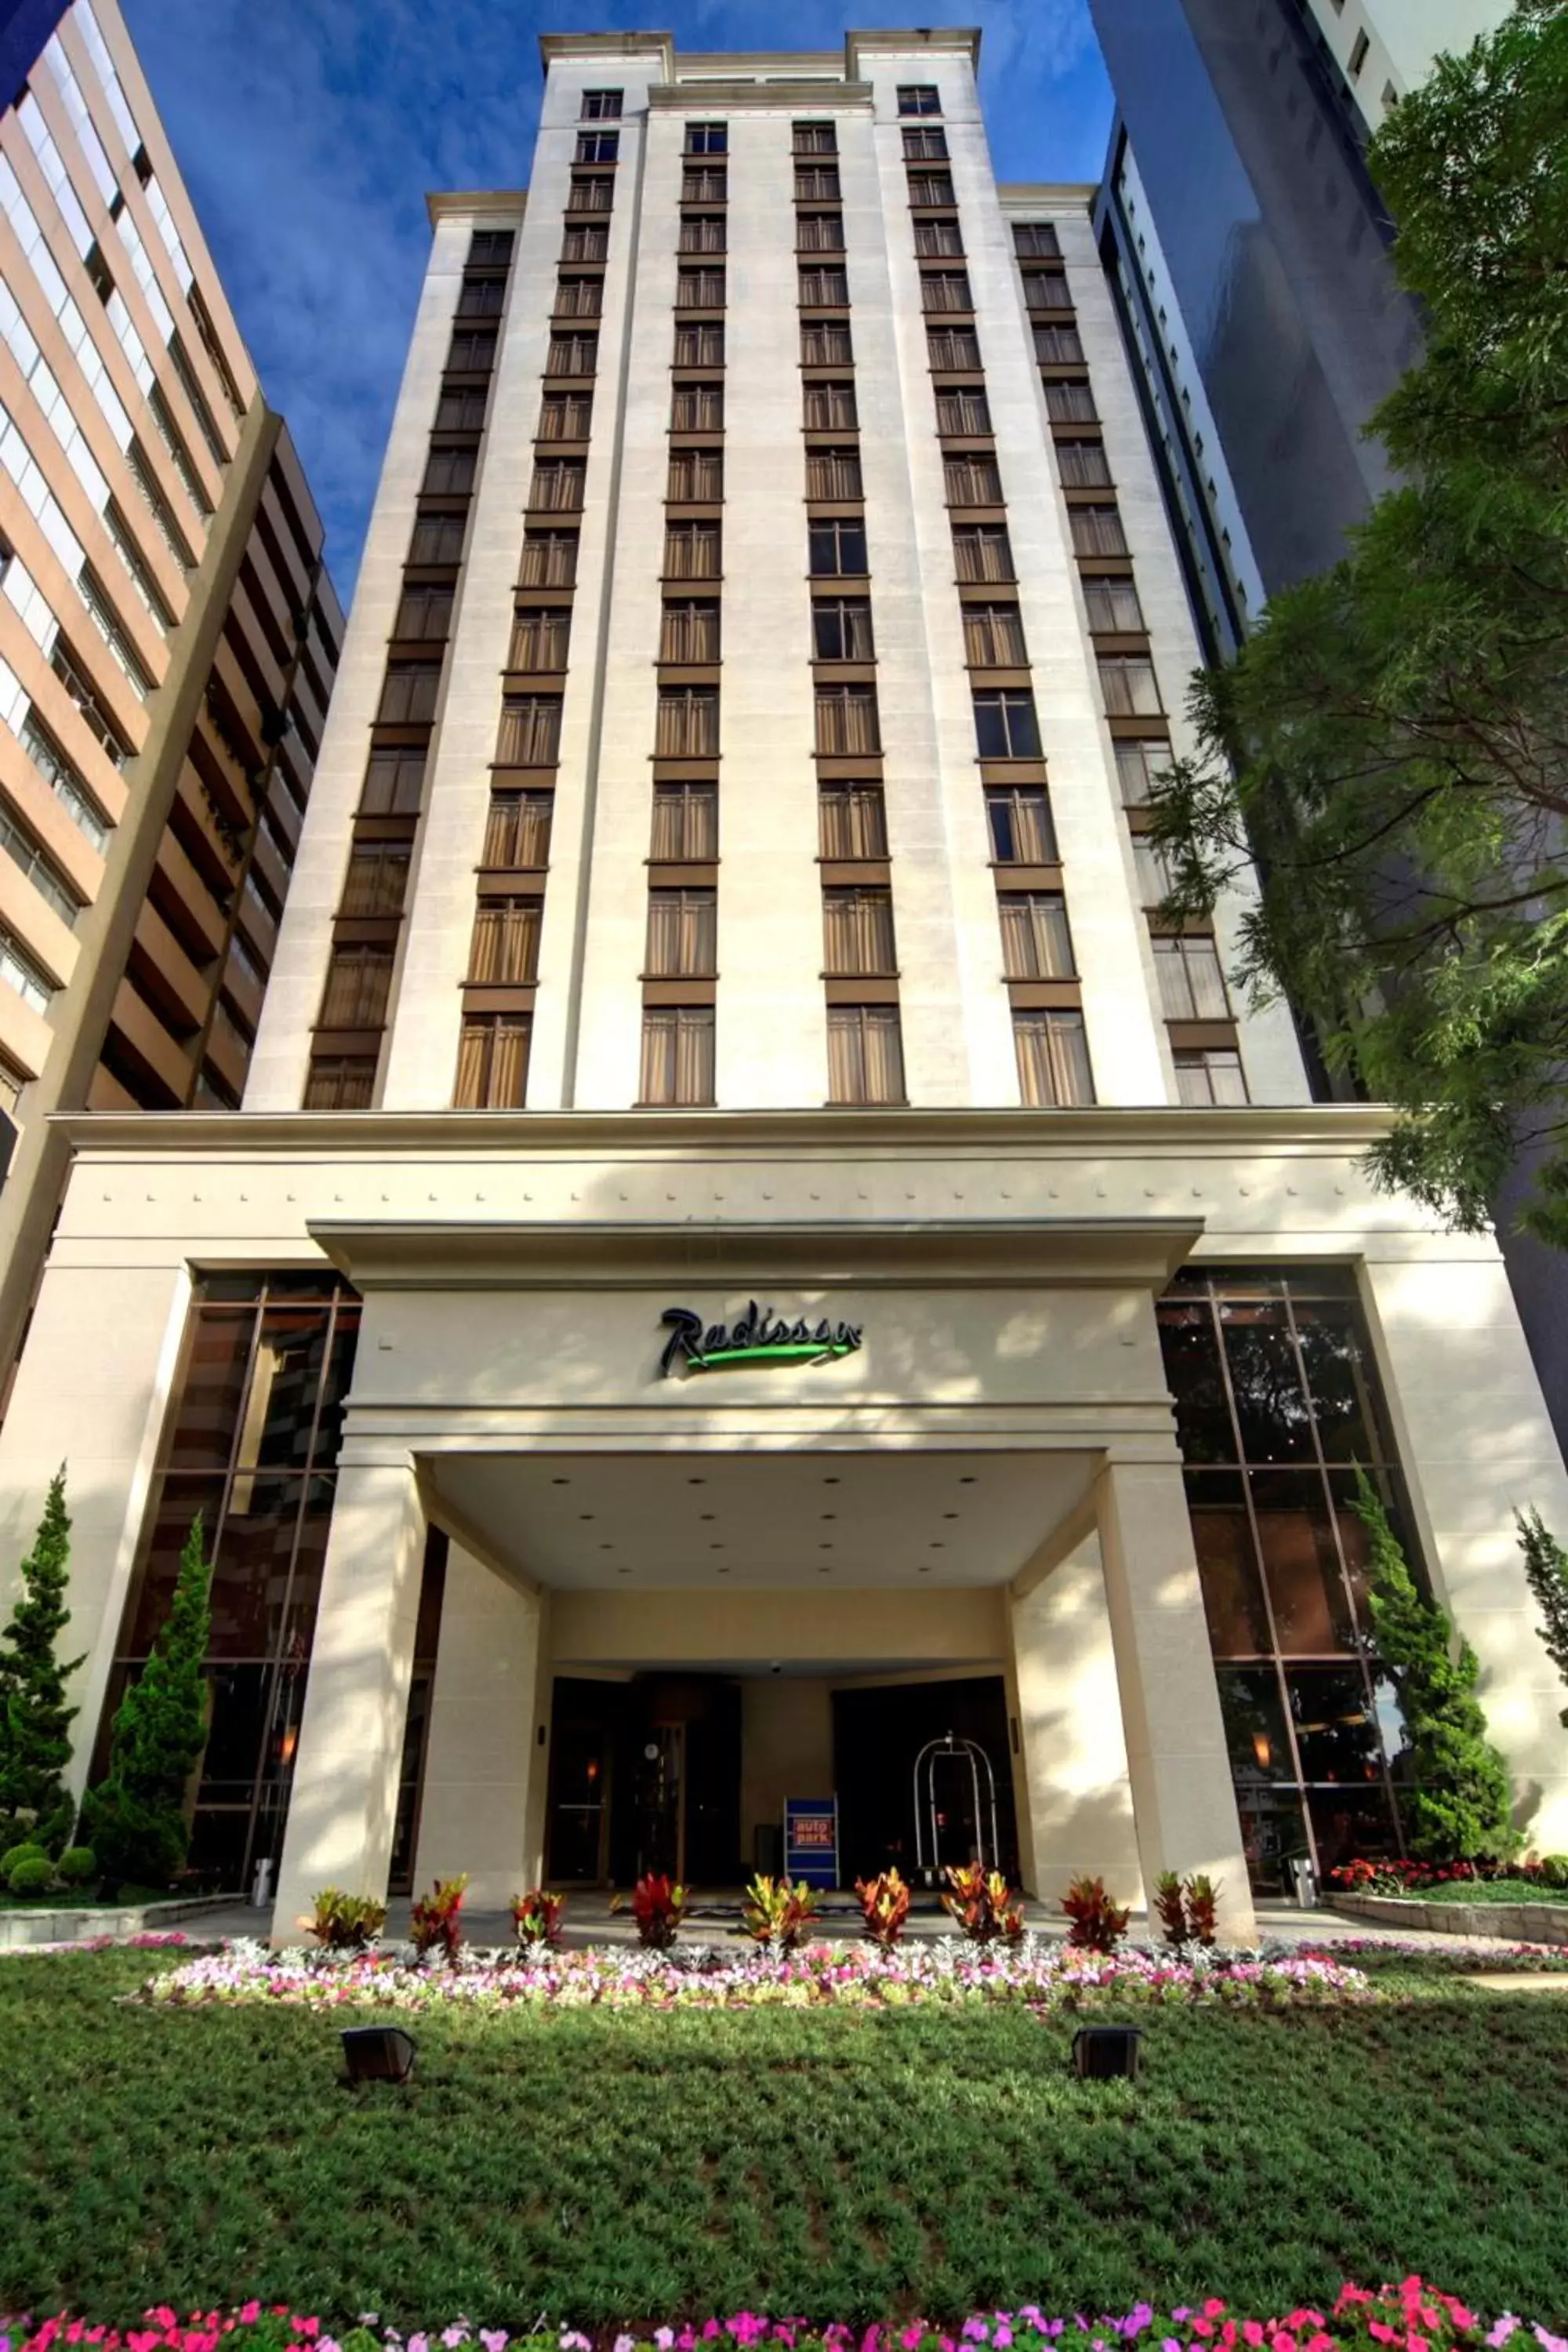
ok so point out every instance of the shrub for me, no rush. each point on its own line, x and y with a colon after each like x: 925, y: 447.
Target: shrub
x: 35, y: 1721
x: 344, y: 1923
x: 536, y: 1917
x: 884, y: 1907
x: 1187, y: 1908
x: 76, y: 1865
x: 659, y: 1906
x: 983, y: 1905
x: 24, y: 1851
x: 1169, y: 1908
x: 1546, y: 1571
x: 34, y: 1875
x: 777, y: 1913
x: 434, y: 1925
x: 1098, y: 1924
x: 1554, y: 1870
x: 135, y: 1817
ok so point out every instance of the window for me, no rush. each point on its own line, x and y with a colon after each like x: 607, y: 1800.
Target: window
x: 394, y: 784
x: 847, y: 725
x: 689, y: 632
x: 517, y: 831
x: 1034, y: 240
x: 505, y: 947
x: 438, y: 539
x: 490, y: 248
x: 685, y: 822
x: 852, y: 821
x: 1036, y: 942
x: 926, y: 146
x: 837, y: 546
x: 936, y: 240
x: 930, y: 188
x: 700, y: 346
x: 964, y: 411
x: 573, y: 355
x: 692, y: 551
x: 814, y: 139
x: 994, y: 636
x: 1112, y: 604
x: 982, y: 552
x: 699, y: 289
x: 676, y: 1055
x: 586, y: 195
x: 340, y: 1082
x: 695, y: 475
x: 424, y: 613
x: 409, y: 694
x: 857, y: 933
x: 1021, y: 833
x: 1212, y: 1075
x: 825, y: 343
x: 377, y: 880
x: 697, y: 408
x: 1006, y: 727
x: 602, y: 105
x: 688, y: 725
x: 702, y: 233
x: 832, y: 474
x: 707, y: 138
x: 548, y: 558
x: 1071, y: 403
x: 529, y: 731
x: 1137, y: 765
x: 1082, y: 465
x: 1053, y: 1059
x: 952, y: 347
x: 579, y: 298
x: 1047, y: 290
x: 564, y: 415
x: 462, y: 411
x: 65, y: 783
x: 481, y: 297
x: 493, y: 1061
x: 473, y: 354
x: 84, y: 694
x: 1096, y: 530
x: 598, y: 146
x: 705, y: 187
x: 358, y: 982
x: 1058, y: 346
x: 39, y: 868
x: 819, y: 232
x: 539, y: 639
x: 918, y: 98
x: 449, y: 473
x: 1130, y: 686
x: 841, y: 630
x: 830, y: 407
x: 817, y: 184
x: 865, y: 1053
x: 829, y: 288
x: 1358, y: 55
x: 972, y: 481
x: 557, y: 485
x: 682, y: 934
x: 1192, y: 985
x: 946, y: 289
x: 585, y: 245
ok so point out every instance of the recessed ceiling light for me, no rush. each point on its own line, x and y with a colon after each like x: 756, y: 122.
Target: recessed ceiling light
x: 936, y: 1546
x: 622, y: 1571
x: 833, y: 1482
x: 968, y: 1478
x: 706, y: 1514
x: 607, y: 1547
x: 715, y: 1546
x: 561, y: 1482
x: 697, y: 1482
x: 725, y: 1571
x: 925, y: 1567
x: 824, y: 1569
x: 585, y: 1514
x: 830, y: 1514
x: 825, y: 1546
x: 949, y: 1515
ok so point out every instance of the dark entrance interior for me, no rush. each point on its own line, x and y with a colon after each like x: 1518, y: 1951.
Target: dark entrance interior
x: 645, y: 1775
x: 877, y: 1737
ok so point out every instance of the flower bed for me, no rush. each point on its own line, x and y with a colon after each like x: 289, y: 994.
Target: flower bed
x: 1039, y: 1974
x: 1447, y: 1959
x: 1410, y: 2317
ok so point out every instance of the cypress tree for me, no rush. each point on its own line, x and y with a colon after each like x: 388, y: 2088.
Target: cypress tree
x: 1458, y: 1809
x: 35, y: 1721
x: 134, y: 1820
x: 1546, y: 1568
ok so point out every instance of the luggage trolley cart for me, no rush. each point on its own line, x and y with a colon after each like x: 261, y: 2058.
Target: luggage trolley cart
x: 950, y: 1751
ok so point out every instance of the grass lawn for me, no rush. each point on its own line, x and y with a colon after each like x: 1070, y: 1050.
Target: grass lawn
x: 1492, y: 1890
x: 600, y: 2165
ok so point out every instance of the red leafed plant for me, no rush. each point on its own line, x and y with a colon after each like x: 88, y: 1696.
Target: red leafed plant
x: 777, y: 1913
x: 884, y: 1906
x: 983, y: 1905
x: 1203, y: 1907
x: 659, y: 1906
x: 1098, y: 1924
x: 1187, y: 1908
x: 536, y: 1916
x: 435, y: 1925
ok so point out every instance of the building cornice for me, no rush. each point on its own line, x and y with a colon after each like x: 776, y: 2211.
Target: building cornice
x: 560, y: 47
x: 475, y: 204
x: 787, y: 97
x: 1050, y: 195
x: 954, y: 40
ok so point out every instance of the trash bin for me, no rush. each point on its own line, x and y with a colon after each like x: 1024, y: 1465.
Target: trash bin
x: 1304, y: 1884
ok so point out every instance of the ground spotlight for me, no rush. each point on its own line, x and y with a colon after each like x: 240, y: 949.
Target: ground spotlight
x: 1101, y: 2051
x: 378, y: 2054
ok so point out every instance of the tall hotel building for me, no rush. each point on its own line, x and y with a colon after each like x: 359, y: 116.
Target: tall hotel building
x: 748, y: 1246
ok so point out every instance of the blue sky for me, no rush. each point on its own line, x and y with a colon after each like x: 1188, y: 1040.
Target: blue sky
x: 309, y: 131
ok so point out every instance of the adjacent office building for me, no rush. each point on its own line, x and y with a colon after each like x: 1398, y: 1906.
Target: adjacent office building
x: 749, y: 1248
x: 168, y: 634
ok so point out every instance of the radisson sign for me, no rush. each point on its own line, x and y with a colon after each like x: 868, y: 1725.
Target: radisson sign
x: 757, y: 1337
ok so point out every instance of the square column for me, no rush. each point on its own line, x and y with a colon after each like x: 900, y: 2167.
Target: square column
x: 480, y: 1812
x: 1182, y: 1799
x: 343, y: 1806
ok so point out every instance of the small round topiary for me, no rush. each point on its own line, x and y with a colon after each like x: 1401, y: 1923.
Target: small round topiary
x: 1554, y: 1871
x: 78, y: 1865
x: 16, y: 1853
x: 34, y: 1875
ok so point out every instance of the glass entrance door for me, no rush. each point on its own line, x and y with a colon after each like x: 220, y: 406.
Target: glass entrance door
x: 580, y: 1809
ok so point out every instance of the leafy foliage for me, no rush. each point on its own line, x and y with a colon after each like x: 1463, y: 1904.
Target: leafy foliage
x: 777, y: 1913
x: 884, y: 1907
x: 538, y: 1917
x: 1392, y: 744
x: 35, y: 1721
x: 1546, y: 1572
x: 31, y: 1873
x: 1098, y: 1923
x: 1458, y: 1807
x: 436, y: 1920
x: 985, y: 1907
x: 134, y: 1820
x: 344, y: 1923
x: 659, y: 1906
x: 1187, y: 1908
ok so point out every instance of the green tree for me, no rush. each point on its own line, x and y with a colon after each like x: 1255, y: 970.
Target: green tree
x: 35, y: 1721
x: 1392, y: 744
x: 1458, y: 1806
x: 1546, y: 1569
x: 134, y: 1820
